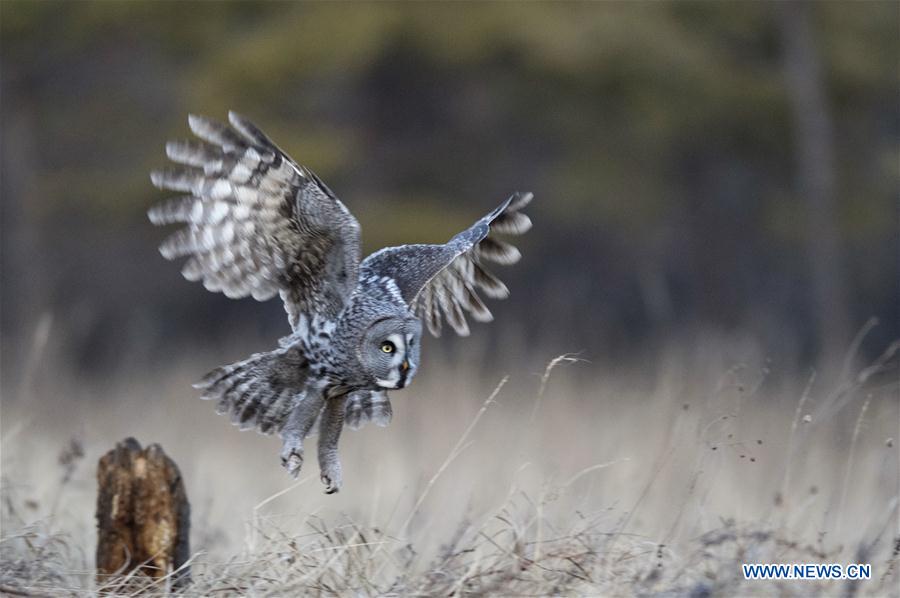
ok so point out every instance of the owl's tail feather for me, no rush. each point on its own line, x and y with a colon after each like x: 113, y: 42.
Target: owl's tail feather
x: 260, y: 391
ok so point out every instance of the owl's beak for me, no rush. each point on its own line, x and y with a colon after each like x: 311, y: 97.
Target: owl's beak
x: 405, y: 365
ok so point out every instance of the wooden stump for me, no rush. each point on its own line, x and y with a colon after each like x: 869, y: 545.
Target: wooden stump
x: 143, y: 515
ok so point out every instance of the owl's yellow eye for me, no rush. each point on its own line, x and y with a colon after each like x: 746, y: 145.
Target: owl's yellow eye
x: 388, y: 347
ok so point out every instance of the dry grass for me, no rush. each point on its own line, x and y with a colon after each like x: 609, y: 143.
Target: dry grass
x: 578, y: 480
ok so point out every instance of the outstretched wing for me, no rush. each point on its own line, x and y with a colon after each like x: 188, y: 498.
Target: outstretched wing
x: 261, y: 391
x: 443, y: 281
x: 258, y: 224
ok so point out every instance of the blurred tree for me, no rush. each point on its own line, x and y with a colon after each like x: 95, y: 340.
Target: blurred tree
x: 816, y: 170
x: 681, y: 179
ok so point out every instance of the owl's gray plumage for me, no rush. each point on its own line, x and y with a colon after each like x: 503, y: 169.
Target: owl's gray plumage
x: 446, y: 278
x: 259, y: 224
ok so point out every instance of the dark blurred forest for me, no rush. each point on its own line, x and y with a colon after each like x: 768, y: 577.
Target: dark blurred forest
x: 696, y: 165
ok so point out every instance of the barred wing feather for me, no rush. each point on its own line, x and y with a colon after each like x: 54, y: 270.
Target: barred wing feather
x: 444, y: 281
x: 258, y: 224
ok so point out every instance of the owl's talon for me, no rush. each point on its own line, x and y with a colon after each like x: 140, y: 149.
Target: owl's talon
x: 332, y: 480
x: 292, y: 458
x: 293, y: 465
x: 331, y: 487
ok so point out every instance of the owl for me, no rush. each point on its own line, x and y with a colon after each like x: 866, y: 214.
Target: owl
x: 258, y: 224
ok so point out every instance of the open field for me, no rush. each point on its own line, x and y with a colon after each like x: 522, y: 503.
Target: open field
x: 656, y: 479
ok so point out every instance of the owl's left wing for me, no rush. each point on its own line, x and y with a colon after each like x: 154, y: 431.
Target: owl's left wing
x: 443, y: 281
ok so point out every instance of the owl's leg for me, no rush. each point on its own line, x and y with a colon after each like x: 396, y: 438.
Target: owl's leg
x: 329, y: 434
x: 297, y: 427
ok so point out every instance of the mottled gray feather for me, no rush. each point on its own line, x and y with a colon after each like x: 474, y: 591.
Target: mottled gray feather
x: 258, y: 224
x: 259, y: 392
x: 442, y: 281
x: 363, y: 407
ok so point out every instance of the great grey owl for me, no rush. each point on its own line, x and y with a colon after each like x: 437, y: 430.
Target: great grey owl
x: 259, y: 224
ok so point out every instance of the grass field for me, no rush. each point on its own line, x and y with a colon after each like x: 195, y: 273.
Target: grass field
x: 657, y: 478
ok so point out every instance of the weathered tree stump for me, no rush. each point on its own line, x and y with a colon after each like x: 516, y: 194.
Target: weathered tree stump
x: 143, y: 515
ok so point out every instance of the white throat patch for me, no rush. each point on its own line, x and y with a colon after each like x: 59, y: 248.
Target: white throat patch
x: 388, y: 383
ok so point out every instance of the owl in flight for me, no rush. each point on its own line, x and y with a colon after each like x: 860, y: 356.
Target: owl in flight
x: 260, y: 224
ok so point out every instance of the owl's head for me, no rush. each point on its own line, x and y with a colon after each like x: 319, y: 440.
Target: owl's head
x: 389, y: 351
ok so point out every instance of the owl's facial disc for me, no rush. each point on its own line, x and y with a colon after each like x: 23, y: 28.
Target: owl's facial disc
x: 395, y: 346
x: 391, y: 352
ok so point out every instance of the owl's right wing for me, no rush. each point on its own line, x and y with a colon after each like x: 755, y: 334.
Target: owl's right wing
x: 261, y: 391
x: 258, y: 223
x: 443, y: 281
